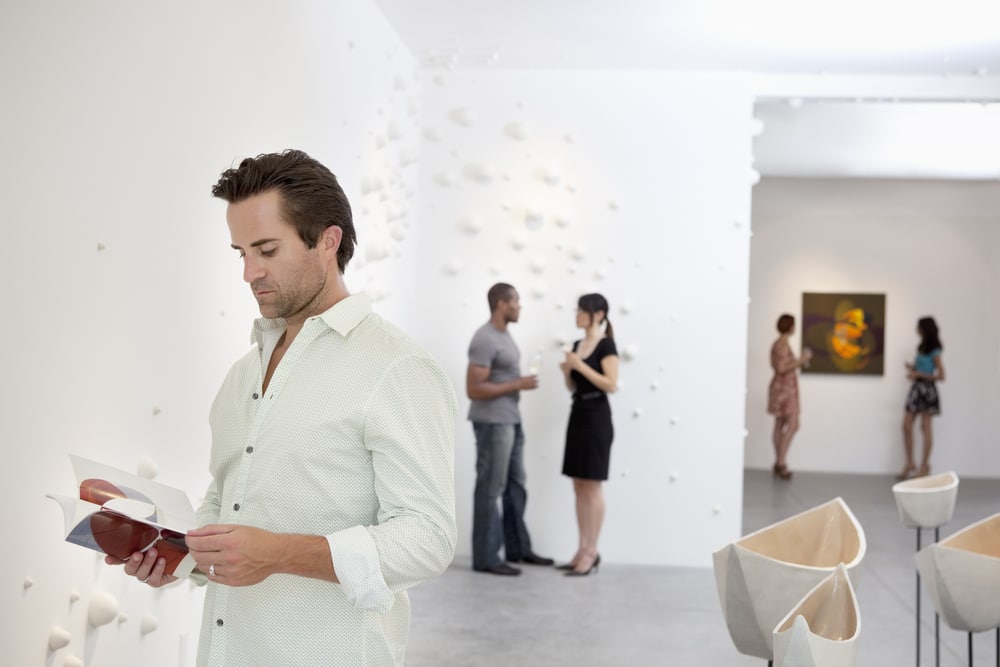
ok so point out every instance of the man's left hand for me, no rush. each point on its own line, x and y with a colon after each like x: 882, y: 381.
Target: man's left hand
x: 235, y: 555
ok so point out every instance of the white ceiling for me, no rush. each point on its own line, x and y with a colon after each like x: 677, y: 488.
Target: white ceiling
x: 901, y: 58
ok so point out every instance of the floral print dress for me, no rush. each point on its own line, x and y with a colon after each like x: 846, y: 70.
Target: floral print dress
x: 783, y: 393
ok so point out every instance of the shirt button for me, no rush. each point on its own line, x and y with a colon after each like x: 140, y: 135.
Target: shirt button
x: 250, y: 449
x: 236, y: 507
x: 218, y: 622
x: 256, y: 396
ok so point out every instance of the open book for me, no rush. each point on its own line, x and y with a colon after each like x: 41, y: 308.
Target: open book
x: 118, y: 513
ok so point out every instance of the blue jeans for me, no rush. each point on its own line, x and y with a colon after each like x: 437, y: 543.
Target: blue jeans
x: 499, y: 476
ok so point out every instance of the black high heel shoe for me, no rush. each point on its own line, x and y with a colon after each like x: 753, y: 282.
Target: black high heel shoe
x: 593, y: 568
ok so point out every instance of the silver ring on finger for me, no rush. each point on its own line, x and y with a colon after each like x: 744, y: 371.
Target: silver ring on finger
x: 145, y: 580
x: 211, y: 570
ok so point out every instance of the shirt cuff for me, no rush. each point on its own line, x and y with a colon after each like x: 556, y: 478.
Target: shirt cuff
x: 355, y: 560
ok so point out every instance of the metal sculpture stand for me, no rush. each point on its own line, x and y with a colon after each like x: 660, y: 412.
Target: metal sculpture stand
x: 937, y: 617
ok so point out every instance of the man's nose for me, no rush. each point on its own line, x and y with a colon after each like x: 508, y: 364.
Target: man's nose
x: 252, y: 269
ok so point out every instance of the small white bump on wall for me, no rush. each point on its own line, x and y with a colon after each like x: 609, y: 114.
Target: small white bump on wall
x: 471, y: 224
x: 569, y: 138
x: 746, y: 434
x: 578, y: 251
x: 122, y: 618
x: 600, y: 273
x: 73, y: 661
x: 439, y: 80
x: 626, y: 308
x: 654, y: 385
x: 74, y: 596
x: 613, y: 205
x: 156, y: 410
x: 673, y: 420
x: 494, y: 270
x: 518, y: 242
x: 398, y: 83
x: 756, y: 127
x: 625, y: 473
x: 636, y: 412
x: 380, y: 141
x: 431, y: 134
x: 58, y: 638
x: 376, y: 250
x: 101, y: 246
x: 393, y: 131
x: 102, y: 610
x: 630, y: 352
x: 397, y: 232
x: 148, y: 624
x: 549, y: 176
x: 147, y: 468
x: 754, y: 177
x: 452, y: 267
x: 539, y: 290
x: 537, y: 265
x: 516, y: 131
x: 570, y: 187
x: 479, y: 172
x: 562, y: 220
x: 407, y: 156
x: 27, y: 583
x: 673, y: 477
x: 716, y: 509
x: 571, y: 270
x: 444, y: 178
x: 533, y: 219
x: 463, y: 116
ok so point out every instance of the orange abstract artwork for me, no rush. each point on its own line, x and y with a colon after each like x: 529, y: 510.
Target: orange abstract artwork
x: 845, y: 332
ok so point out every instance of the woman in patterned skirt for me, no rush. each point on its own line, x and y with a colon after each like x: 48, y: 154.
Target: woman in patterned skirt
x: 783, y: 393
x: 922, y: 399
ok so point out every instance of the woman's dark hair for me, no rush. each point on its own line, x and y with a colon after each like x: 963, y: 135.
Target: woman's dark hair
x: 929, y: 340
x: 593, y: 304
x: 785, y: 323
x: 311, y: 197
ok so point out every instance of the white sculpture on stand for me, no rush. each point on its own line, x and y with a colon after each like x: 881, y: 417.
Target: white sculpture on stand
x: 762, y: 576
x: 963, y: 576
x: 822, y: 630
x: 926, y: 502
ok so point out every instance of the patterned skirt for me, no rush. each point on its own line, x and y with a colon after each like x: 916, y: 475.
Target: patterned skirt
x: 923, y: 397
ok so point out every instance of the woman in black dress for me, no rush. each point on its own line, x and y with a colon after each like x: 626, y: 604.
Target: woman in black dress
x: 591, y: 373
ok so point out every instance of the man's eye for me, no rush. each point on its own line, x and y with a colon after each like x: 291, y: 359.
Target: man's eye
x: 268, y: 253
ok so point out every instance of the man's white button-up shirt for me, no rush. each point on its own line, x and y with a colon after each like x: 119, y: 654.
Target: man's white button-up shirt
x: 353, y: 440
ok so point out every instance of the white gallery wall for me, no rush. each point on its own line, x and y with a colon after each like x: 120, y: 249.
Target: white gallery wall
x: 933, y: 248
x: 635, y: 185
x: 124, y: 305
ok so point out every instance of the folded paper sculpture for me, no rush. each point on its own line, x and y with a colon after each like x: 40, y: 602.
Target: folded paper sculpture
x: 963, y: 576
x: 763, y: 575
x: 822, y: 629
x: 926, y: 502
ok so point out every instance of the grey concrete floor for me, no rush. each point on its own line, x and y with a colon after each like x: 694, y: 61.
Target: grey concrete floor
x: 638, y: 615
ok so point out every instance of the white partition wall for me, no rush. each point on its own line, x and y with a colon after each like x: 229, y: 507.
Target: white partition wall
x: 633, y: 185
x: 932, y: 247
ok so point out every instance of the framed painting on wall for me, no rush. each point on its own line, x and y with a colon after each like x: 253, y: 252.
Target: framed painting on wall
x: 846, y: 332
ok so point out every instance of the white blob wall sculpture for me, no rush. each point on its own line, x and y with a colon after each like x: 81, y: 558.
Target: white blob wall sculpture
x: 103, y: 609
x: 58, y: 638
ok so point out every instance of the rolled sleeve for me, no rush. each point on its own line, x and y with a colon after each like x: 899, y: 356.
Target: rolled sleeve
x: 356, y: 562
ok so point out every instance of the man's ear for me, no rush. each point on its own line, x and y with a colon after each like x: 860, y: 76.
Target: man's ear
x: 330, y: 240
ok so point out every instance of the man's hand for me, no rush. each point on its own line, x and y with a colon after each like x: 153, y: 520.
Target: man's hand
x: 235, y: 555
x: 146, y: 567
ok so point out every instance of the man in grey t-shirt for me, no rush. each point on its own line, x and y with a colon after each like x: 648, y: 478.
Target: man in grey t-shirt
x: 493, y: 383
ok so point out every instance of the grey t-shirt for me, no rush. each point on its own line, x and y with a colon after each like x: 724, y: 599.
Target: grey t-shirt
x: 497, y: 351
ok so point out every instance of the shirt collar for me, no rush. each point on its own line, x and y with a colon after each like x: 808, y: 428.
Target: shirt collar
x: 342, y: 317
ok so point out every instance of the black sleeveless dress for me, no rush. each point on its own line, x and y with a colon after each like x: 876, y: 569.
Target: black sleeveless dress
x: 590, y: 431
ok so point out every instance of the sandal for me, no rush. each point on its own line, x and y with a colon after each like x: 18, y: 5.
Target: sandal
x: 782, y: 472
x: 907, y: 473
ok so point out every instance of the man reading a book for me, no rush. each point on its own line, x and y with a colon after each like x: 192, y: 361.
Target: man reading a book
x: 332, y: 447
